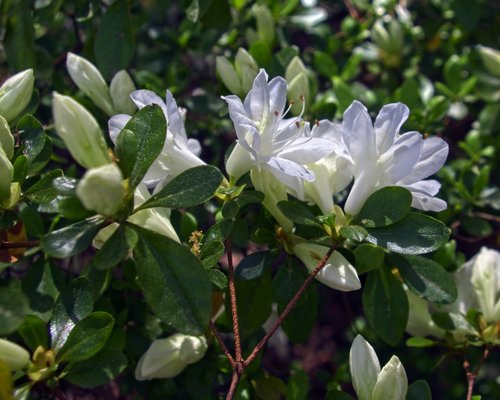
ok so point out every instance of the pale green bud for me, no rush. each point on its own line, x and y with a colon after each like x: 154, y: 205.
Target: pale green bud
x: 15, y: 356
x: 15, y: 94
x: 101, y: 189
x: 491, y: 59
x: 392, y: 382
x: 80, y: 132
x: 6, y: 138
x: 299, y: 92
x: 90, y: 81
x: 6, y: 171
x: 380, y: 36
x: 265, y: 23
x: 486, y: 282
x: 167, y: 358
x: 15, y: 194
x: 228, y: 75
x: 247, y: 69
x: 337, y: 273
x: 120, y: 88
x: 296, y: 67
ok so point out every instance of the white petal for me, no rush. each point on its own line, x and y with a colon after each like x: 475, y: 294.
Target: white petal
x: 486, y: 282
x: 257, y: 100
x: 239, y: 161
x: 359, y: 136
x: 387, y: 124
x: 289, y: 168
x: 434, y: 154
x: 144, y: 97
x: 307, y: 150
x: 174, y: 118
x: 116, y: 124
x: 402, y: 156
x: 277, y: 95
x: 364, y: 366
x: 364, y: 186
x: 429, y: 187
x: 392, y: 382
x: 194, y: 147
x: 339, y: 274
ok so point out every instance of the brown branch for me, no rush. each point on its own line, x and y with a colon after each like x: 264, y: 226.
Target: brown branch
x: 288, y: 308
x: 352, y: 10
x: 217, y: 337
x: 234, y: 384
x: 19, y: 245
x: 234, y: 307
x: 486, y: 216
x: 472, y: 375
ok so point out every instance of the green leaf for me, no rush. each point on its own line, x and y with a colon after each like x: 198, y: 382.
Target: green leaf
x: 414, y: 234
x: 419, y: 390
x: 249, y: 196
x: 254, y: 303
x: 31, y: 136
x: 150, y: 127
x: 426, y: 278
x: 368, y: 257
x: 230, y: 209
x: 126, y: 151
x: 444, y: 321
x: 13, y: 308
x: 254, y: 265
x: 211, y: 253
x: 385, y: 207
x: 20, y: 35
x: 353, y: 232
x: 297, y: 213
x: 74, y: 303
x: 298, y: 386
x: 97, y: 370
x: 220, y: 231
x: 87, y: 337
x: 194, y: 186
x: 174, y: 282
x: 34, y: 332
x: 72, y: 239
x: 385, y: 305
x: 116, y: 248
x: 218, y: 278
x: 420, y: 342
x: 114, y: 55
x: 43, y: 191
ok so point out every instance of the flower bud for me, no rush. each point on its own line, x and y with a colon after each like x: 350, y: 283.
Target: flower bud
x: 392, y: 382
x: 11, y: 201
x: 101, y: 190
x: 246, y: 68
x: 90, y: 81
x: 80, y: 132
x: 166, y: 358
x: 120, y: 89
x: 6, y: 171
x: 486, y: 282
x: 337, y: 273
x: 299, y: 90
x: 491, y: 59
x: 228, y: 75
x: 265, y: 23
x: 6, y: 138
x: 420, y: 321
x: 13, y: 355
x: 15, y: 94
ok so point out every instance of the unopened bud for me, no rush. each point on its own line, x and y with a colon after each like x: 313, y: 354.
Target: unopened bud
x: 15, y: 94
x: 491, y: 59
x: 6, y: 138
x: 120, y: 88
x: 90, y: 81
x: 101, y: 190
x: 15, y: 356
x: 166, y: 358
x: 79, y: 131
x: 228, y: 75
x: 6, y: 171
x: 247, y: 69
x: 265, y: 23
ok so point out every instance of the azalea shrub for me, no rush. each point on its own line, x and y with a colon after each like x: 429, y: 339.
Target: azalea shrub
x: 249, y: 200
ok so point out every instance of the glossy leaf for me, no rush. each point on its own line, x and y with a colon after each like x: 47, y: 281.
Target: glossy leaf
x: 368, y: 257
x: 34, y: 332
x: 13, y: 308
x: 174, y: 282
x: 211, y: 253
x: 254, y: 265
x: 192, y: 187
x: 116, y: 248
x: 126, y: 151
x: 415, y: 234
x: 297, y: 213
x: 72, y: 239
x: 353, y: 232
x: 385, y: 207
x: 385, y: 305
x: 87, y: 337
x: 426, y: 278
x: 74, y: 304
x: 97, y: 370
x: 419, y: 390
x: 43, y: 191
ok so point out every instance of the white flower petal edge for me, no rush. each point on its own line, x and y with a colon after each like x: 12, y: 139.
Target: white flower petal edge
x: 382, y: 157
x: 364, y: 366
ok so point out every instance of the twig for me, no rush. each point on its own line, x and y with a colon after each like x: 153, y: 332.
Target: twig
x: 234, y: 307
x: 19, y: 245
x: 352, y: 10
x: 217, y: 336
x: 288, y: 308
x: 486, y: 216
x: 472, y: 375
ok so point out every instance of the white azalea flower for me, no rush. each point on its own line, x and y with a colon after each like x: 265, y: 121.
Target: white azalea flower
x: 179, y: 153
x: 382, y: 157
x: 369, y: 381
x: 266, y: 140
